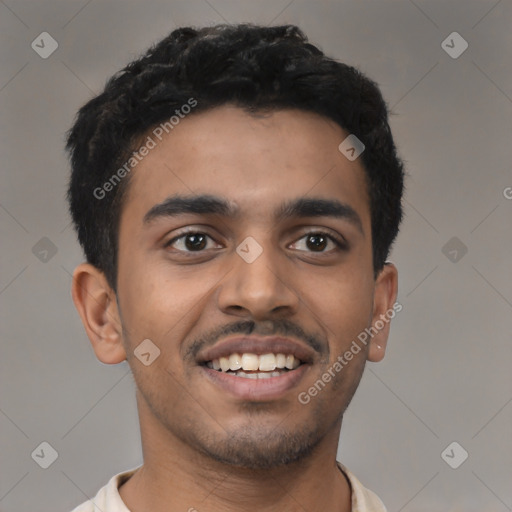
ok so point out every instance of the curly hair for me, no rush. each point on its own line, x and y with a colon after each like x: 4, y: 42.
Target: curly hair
x: 252, y: 67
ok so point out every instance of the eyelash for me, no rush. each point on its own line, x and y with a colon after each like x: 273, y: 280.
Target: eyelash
x: 340, y: 244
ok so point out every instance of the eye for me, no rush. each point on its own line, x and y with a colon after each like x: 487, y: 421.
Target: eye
x: 318, y: 241
x: 192, y: 241
x: 197, y: 241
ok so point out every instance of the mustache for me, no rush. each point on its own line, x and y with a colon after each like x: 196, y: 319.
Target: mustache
x: 280, y: 327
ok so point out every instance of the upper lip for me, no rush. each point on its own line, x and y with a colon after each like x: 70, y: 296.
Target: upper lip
x: 257, y: 345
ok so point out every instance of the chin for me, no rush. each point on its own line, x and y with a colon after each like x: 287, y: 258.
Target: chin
x: 250, y: 449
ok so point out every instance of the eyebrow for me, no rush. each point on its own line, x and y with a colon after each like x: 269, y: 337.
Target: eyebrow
x: 206, y: 204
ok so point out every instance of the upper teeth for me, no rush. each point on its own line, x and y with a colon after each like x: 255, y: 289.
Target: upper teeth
x: 264, y: 363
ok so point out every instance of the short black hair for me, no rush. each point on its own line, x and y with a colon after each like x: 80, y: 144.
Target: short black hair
x: 256, y: 68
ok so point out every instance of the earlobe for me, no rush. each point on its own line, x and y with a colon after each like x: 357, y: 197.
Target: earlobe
x: 96, y: 304
x: 386, y: 290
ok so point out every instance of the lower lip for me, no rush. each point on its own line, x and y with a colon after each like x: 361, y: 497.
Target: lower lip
x: 257, y: 389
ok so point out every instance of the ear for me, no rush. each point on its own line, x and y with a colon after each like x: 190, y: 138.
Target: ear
x: 385, y: 293
x: 96, y: 303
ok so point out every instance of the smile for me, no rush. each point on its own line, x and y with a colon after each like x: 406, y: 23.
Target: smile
x: 253, y: 366
x: 256, y: 369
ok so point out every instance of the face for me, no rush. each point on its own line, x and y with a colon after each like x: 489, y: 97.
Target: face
x: 272, y: 269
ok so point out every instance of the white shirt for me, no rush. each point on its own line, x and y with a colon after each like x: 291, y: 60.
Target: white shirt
x: 108, y: 499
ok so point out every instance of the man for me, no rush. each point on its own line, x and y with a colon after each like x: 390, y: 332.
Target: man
x: 236, y: 194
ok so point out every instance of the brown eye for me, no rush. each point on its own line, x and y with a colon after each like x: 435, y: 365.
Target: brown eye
x: 315, y: 242
x: 193, y: 241
x: 318, y: 242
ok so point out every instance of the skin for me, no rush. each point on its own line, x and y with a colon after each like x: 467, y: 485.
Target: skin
x: 203, y: 447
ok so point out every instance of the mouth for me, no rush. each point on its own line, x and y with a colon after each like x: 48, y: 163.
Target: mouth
x: 256, y: 369
x: 254, y: 366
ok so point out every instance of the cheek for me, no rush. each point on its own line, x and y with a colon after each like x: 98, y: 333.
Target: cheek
x: 343, y: 304
x: 159, y: 304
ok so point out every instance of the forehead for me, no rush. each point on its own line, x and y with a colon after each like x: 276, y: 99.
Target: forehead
x: 255, y: 162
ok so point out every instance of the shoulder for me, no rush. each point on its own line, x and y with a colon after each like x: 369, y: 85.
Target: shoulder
x: 107, y: 498
x: 363, y: 500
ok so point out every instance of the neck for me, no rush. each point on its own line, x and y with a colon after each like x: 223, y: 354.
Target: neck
x: 175, y: 477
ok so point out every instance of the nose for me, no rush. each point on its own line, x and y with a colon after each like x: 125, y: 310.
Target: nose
x: 259, y: 289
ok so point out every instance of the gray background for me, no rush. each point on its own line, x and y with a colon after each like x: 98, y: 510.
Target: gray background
x: 446, y: 376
